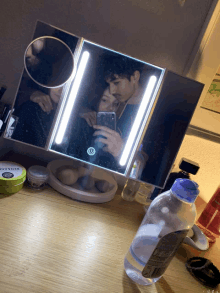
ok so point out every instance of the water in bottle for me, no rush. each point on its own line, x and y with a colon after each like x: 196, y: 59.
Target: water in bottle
x: 164, y: 227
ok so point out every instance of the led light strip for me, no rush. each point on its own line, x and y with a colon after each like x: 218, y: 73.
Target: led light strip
x: 72, y: 97
x: 143, y: 106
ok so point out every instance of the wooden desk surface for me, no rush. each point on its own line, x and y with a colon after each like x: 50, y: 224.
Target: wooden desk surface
x: 51, y: 243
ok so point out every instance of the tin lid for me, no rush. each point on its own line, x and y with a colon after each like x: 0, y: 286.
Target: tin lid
x: 11, y: 173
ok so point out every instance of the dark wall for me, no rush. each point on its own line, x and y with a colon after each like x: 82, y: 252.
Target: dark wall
x: 160, y: 32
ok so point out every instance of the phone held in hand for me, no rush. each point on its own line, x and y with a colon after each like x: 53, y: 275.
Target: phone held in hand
x: 107, y: 119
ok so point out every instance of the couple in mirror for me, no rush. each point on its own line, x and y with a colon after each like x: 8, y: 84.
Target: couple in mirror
x: 122, y: 94
x: 123, y: 88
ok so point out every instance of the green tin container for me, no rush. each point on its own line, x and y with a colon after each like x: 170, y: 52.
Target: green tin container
x: 12, y: 177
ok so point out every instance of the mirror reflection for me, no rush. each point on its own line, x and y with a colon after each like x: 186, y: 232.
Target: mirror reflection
x: 34, y: 112
x: 35, y: 115
x: 49, y: 64
x: 107, y: 106
x: 49, y: 61
x: 168, y: 124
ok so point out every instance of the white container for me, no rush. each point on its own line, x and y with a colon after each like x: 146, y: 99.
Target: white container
x: 37, y: 177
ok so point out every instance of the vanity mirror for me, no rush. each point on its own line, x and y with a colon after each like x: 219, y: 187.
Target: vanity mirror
x: 49, y: 67
x: 110, y: 111
x: 109, y: 104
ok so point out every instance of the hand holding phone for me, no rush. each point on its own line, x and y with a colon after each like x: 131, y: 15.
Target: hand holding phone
x: 107, y: 119
x: 110, y: 139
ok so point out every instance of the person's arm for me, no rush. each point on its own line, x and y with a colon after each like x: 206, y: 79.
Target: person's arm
x: 89, y: 115
x: 112, y: 140
x: 43, y: 100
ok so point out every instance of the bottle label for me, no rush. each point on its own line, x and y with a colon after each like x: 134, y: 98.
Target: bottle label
x: 10, y: 169
x: 163, y: 254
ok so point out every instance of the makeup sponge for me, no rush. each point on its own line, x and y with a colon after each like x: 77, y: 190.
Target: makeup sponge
x: 67, y: 175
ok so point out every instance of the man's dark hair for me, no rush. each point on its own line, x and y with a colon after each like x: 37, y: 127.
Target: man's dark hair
x: 121, y: 66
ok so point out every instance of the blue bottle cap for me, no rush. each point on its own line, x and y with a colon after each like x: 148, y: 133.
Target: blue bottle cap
x: 185, y: 189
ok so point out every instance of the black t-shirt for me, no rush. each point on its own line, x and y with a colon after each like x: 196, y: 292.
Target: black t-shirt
x: 125, y: 123
x: 82, y: 145
x: 33, y: 125
x: 26, y: 89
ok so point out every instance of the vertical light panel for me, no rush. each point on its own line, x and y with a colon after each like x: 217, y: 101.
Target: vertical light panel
x: 141, y: 111
x: 72, y: 97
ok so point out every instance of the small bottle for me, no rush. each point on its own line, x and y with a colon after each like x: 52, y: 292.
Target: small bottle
x: 163, y: 229
x: 139, y: 164
x: 130, y: 189
x: 209, y: 220
x: 144, y: 193
x: 131, y: 185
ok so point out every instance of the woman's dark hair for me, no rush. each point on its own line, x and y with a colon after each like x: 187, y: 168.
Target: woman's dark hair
x: 96, y: 98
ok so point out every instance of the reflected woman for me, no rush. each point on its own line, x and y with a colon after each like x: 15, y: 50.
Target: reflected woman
x: 86, y: 135
x: 34, y: 123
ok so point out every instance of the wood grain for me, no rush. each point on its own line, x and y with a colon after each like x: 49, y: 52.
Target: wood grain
x: 50, y: 243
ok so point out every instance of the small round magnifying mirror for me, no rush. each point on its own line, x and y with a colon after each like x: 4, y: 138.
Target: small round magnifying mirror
x: 49, y: 62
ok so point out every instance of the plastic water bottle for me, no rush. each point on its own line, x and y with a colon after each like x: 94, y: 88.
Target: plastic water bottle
x: 164, y: 227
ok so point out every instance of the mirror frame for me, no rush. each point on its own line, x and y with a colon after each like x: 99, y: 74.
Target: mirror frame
x: 71, y: 53
x: 61, y: 105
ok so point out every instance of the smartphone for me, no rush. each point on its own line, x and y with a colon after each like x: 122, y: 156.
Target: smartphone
x: 107, y: 119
